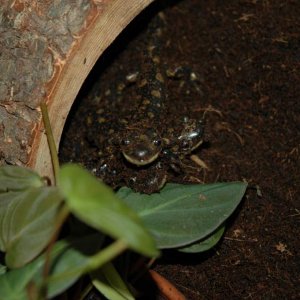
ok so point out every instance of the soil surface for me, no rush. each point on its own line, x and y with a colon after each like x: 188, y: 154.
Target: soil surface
x: 245, y: 56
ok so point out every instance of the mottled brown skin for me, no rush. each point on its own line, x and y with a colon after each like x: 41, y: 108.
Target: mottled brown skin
x: 142, y: 143
x: 138, y: 144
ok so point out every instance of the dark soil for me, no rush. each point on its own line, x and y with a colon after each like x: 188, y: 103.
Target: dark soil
x: 246, y: 55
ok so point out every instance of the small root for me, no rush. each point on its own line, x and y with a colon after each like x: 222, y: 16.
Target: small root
x: 198, y: 161
x: 210, y: 108
x: 225, y: 126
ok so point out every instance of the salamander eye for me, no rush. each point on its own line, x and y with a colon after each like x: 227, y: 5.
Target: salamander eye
x: 132, y: 181
x: 125, y: 142
x: 157, y: 142
x: 185, y: 145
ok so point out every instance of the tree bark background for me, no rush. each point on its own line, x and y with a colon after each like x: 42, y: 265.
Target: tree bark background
x: 47, y: 49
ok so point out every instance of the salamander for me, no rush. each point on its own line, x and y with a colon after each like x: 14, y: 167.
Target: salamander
x: 142, y: 142
x: 138, y: 148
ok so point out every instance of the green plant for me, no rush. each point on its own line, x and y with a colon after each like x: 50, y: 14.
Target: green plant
x: 40, y: 261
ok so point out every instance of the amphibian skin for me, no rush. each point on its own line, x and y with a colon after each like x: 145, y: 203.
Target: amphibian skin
x: 139, y: 148
x: 142, y: 143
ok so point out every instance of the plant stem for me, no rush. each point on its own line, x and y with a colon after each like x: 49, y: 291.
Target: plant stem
x: 107, y: 254
x: 63, y: 214
x: 50, y: 139
x: 86, y: 291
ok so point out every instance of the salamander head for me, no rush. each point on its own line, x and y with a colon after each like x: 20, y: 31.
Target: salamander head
x: 141, y: 147
x: 191, y: 136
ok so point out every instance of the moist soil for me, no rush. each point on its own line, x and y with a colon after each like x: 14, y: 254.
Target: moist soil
x: 245, y: 56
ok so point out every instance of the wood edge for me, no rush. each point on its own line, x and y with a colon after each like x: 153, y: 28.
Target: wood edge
x: 107, y: 25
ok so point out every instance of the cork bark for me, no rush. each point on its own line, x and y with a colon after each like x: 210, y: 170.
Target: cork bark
x: 47, y: 49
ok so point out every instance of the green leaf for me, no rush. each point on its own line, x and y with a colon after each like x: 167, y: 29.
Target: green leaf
x: 27, y: 221
x: 182, y: 214
x: 69, y: 260
x: 3, y: 269
x: 71, y: 263
x: 13, y: 283
x: 108, y: 282
x: 14, y: 178
x: 97, y: 205
x: 205, y: 244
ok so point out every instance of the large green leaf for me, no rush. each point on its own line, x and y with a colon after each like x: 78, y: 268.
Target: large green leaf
x: 73, y: 262
x: 108, y: 281
x: 27, y: 220
x: 14, y: 178
x: 13, y: 283
x: 206, y: 244
x: 97, y: 205
x: 69, y: 260
x: 182, y: 214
